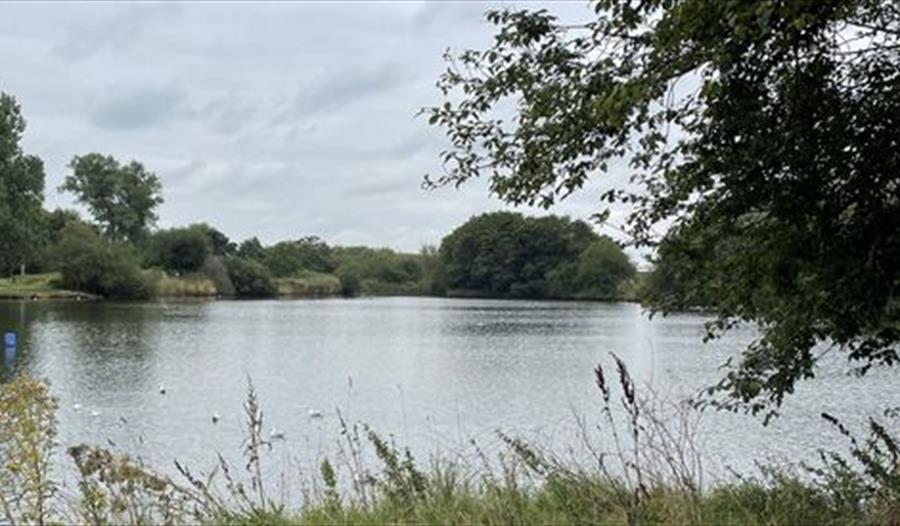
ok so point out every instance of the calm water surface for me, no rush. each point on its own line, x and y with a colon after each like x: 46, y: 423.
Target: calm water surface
x: 434, y: 373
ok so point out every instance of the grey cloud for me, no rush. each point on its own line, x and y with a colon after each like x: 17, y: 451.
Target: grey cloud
x: 268, y: 119
x: 126, y: 25
x: 339, y: 90
x: 124, y: 108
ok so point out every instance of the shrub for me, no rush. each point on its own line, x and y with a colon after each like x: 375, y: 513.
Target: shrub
x: 289, y: 258
x: 602, y: 268
x: 350, y: 283
x: 90, y: 264
x: 217, y: 272
x: 250, y: 279
x: 27, y: 435
x: 179, y: 249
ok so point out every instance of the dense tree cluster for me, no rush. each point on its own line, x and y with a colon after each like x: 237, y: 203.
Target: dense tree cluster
x: 506, y: 254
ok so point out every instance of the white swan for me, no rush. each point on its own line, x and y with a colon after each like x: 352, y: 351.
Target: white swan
x: 276, y: 434
x: 314, y: 413
x: 162, y: 389
x: 215, y: 418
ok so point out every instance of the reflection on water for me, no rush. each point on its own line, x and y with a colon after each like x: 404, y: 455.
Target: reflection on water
x: 433, y: 372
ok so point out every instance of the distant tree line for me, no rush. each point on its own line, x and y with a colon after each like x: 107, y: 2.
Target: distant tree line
x: 119, y: 254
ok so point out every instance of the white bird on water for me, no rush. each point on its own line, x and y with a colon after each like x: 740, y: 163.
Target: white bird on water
x: 314, y: 413
x: 215, y: 418
x: 162, y: 389
x: 276, y: 434
x: 76, y: 407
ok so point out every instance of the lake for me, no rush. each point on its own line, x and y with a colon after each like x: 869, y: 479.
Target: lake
x: 433, y: 373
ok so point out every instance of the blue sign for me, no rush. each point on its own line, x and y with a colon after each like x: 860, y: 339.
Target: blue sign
x: 9, y: 340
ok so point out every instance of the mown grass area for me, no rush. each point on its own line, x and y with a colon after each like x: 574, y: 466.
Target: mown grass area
x: 36, y: 286
x: 30, y: 283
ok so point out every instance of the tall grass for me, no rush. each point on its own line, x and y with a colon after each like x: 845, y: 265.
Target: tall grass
x: 648, y: 470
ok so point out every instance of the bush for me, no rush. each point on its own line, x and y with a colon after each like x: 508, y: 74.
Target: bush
x: 602, y: 268
x: 217, y: 272
x: 379, y: 271
x: 90, y: 264
x: 179, y: 250
x: 250, y: 279
x: 27, y: 436
x: 350, y: 283
x: 289, y: 258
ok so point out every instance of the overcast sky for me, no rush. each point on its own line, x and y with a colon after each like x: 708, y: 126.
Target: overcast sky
x: 271, y: 119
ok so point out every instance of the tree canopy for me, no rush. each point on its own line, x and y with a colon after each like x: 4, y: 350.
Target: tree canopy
x: 21, y: 191
x: 509, y: 255
x: 180, y: 249
x: 763, y: 142
x: 122, y: 197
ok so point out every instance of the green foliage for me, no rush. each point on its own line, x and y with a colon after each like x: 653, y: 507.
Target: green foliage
x: 217, y: 271
x: 761, y: 138
x: 871, y: 476
x: 252, y: 249
x: 288, y: 258
x: 506, y: 254
x: 602, y: 268
x: 21, y: 192
x: 116, y: 489
x: 219, y: 243
x: 179, y: 249
x: 56, y: 221
x: 350, y: 283
x: 249, y: 278
x: 27, y: 440
x: 91, y: 264
x: 122, y: 197
x: 378, y: 271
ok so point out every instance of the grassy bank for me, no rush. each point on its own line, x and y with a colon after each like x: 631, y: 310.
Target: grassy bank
x: 37, y: 287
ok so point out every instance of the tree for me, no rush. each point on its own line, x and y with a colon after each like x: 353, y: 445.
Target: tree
x: 21, y: 192
x: 288, y: 258
x: 121, y: 197
x: 179, y: 249
x: 219, y: 243
x: 250, y: 278
x: 91, y: 264
x: 251, y: 249
x: 602, y: 268
x: 377, y: 271
x: 508, y: 255
x: 763, y: 139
